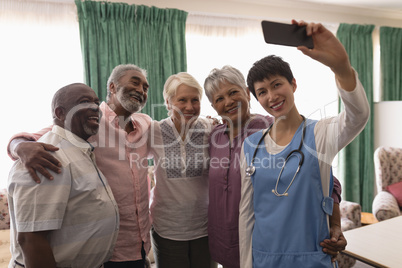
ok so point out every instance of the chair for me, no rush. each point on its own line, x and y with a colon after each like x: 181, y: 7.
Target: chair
x: 388, y: 170
x: 350, y: 219
x: 5, y: 253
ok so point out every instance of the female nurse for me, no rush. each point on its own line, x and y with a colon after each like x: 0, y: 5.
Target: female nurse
x: 284, y: 209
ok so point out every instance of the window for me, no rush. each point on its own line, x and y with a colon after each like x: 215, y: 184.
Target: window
x: 40, y: 52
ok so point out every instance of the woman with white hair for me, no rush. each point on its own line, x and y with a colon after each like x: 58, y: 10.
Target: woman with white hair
x: 179, y: 200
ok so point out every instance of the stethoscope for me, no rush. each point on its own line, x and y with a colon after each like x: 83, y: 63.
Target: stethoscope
x: 251, y: 168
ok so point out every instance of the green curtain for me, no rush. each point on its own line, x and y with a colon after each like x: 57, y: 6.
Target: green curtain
x: 118, y: 33
x: 391, y: 63
x: 356, y: 166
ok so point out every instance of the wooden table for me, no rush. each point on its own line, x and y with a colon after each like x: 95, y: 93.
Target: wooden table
x: 368, y: 218
x: 377, y: 244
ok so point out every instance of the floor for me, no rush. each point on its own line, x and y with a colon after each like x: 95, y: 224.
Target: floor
x: 357, y: 265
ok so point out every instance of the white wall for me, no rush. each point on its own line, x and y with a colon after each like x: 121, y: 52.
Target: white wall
x: 388, y: 124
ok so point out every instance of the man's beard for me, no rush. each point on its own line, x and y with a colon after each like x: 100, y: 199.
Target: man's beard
x: 124, y: 98
x: 90, y: 131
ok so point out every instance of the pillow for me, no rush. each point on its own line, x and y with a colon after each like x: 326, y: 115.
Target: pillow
x: 396, y: 190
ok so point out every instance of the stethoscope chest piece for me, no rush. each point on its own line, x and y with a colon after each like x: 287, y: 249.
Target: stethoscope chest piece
x: 250, y: 171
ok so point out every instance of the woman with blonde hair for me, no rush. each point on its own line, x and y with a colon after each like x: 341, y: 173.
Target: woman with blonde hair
x: 179, y: 200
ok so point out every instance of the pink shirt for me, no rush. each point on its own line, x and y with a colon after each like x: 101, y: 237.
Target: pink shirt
x: 122, y: 158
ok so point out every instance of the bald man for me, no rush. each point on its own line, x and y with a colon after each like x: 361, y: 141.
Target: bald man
x: 72, y: 221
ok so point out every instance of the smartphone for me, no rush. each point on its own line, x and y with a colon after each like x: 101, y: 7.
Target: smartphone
x: 286, y: 34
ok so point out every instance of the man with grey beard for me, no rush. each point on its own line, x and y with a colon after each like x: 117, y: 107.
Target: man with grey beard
x: 48, y: 218
x: 122, y: 137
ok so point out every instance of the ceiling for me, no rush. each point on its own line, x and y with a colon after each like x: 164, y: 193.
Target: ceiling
x: 379, y: 12
x: 385, y: 5
x: 376, y: 4
x: 393, y: 5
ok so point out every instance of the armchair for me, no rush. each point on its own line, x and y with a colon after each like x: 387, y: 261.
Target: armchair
x: 350, y: 219
x: 5, y: 254
x: 388, y: 170
x: 350, y: 215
